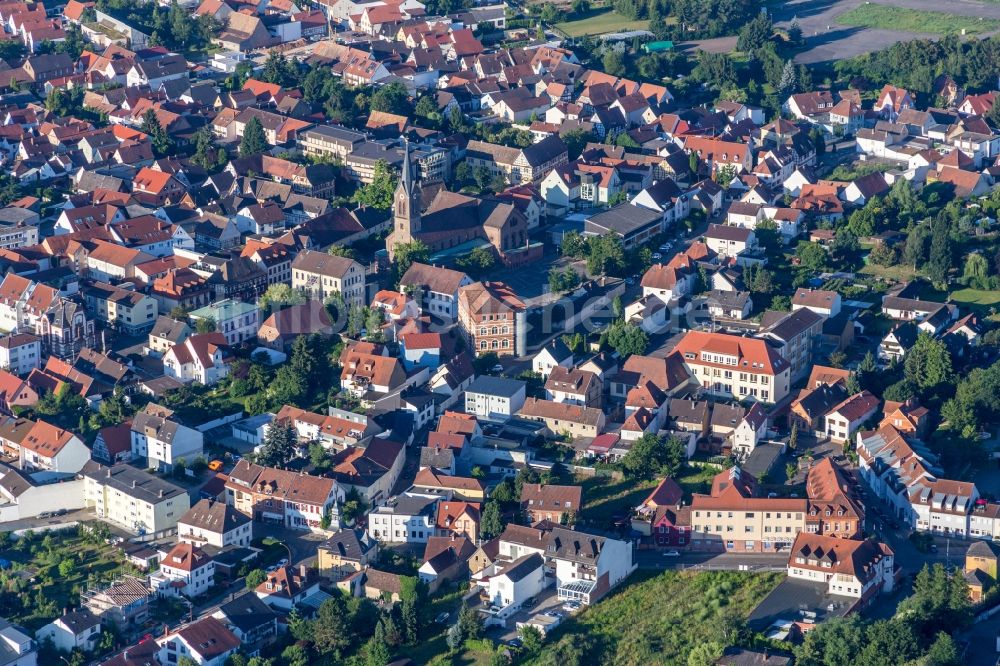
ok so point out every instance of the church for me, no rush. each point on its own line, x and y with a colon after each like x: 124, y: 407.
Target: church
x: 452, y: 219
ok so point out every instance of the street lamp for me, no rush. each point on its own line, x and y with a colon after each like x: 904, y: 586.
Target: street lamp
x: 271, y: 541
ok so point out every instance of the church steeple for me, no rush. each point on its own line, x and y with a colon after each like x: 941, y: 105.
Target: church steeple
x: 406, y: 202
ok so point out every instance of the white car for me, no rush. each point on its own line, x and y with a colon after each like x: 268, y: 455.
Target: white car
x: 671, y: 553
x: 282, y: 563
x: 657, y: 255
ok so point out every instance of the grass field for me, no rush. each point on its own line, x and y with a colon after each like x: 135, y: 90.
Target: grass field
x: 659, y: 619
x: 605, y: 499
x: 600, y: 22
x: 914, y: 20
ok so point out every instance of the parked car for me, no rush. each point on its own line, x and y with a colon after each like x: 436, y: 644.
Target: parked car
x: 571, y: 606
x: 442, y: 618
x: 671, y: 553
x: 529, y: 602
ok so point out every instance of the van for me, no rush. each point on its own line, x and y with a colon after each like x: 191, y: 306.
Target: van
x: 215, y: 465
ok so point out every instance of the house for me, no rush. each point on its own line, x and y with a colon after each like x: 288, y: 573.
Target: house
x: 207, y: 642
x: 820, y: 301
x: 727, y: 241
x: 347, y: 552
x: 162, y: 441
x: 749, y: 431
x: 437, y: 288
x: 431, y: 483
x: 166, y: 333
x: 236, y: 320
x: 288, y: 587
x: 587, y: 566
x: 371, y: 471
x: 835, y: 507
x: 445, y: 559
x: 724, y: 304
x: 250, y: 620
x: 735, y: 367
x: 202, y: 358
x: 125, y: 310
x: 793, y: 336
x: 186, y: 570
x: 844, y: 567
x: 49, y: 448
x: 562, y: 418
x: 295, y: 500
x: 124, y: 603
x: 662, y: 517
x: 517, y: 165
x: 553, y: 503
x: 404, y: 519
x: 898, y: 342
x: 216, y: 524
x: 981, y: 568
x: 846, y: 417
x: 517, y: 581
x: 494, y: 398
x: 909, y: 417
x: 20, y: 353
x: 554, y: 353
x: 732, y: 519
x: 280, y: 330
x: 320, y: 275
x: 492, y: 318
x: 575, y: 387
x: 370, y: 374
x: 73, y: 630
x: 456, y: 517
x: 133, y: 499
x: 905, y: 475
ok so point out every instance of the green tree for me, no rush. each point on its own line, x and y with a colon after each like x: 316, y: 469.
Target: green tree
x: 470, y: 622
x: 652, y: 455
x: 613, y: 63
x: 253, y: 142
x: 331, y: 632
x: 836, y: 642
x: 627, y: 339
x: 278, y: 296
x: 205, y: 325
x: 278, y: 446
x: 943, y: 651
x: 377, y: 651
x: 392, y: 98
x: 940, y: 599
x: 378, y: 193
x: 707, y: 653
x: 928, y: 364
x: 405, y: 254
x: 254, y: 578
x: 755, y: 34
x: 811, y: 255
x: 157, y: 135
x: 295, y: 655
x: 492, y: 520
x: 976, y: 272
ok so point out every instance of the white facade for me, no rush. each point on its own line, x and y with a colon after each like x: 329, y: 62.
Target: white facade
x: 22, y: 355
x: 162, y: 452
x: 494, y: 407
x: 506, y: 590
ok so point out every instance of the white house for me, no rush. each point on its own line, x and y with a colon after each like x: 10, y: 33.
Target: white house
x: 200, y: 358
x: 216, y: 524
x: 236, y: 320
x: 518, y: 581
x: 161, y: 441
x: 435, y: 288
x: 555, y: 353
x: 75, y: 630
x: 207, y: 642
x: 403, y: 519
x: 588, y: 566
x: 845, y: 567
x: 495, y: 398
x: 749, y: 431
x: 185, y: 571
x: 49, y: 448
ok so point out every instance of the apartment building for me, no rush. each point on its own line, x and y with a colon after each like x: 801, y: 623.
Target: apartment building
x: 278, y: 496
x: 162, y: 441
x: 124, y: 310
x: 518, y: 165
x: 216, y: 524
x: 492, y: 319
x: 331, y: 141
x: 435, y: 288
x: 847, y: 567
x: 20, y: 353
x: 139, y: 502
x: 320, y: 275
x: 237, y: 320
x: 734, y: 367
x: 734, y: 520
x: 404, y: 519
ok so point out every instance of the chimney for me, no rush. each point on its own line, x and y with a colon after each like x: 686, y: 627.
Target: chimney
x: 303, y: 571
x: 133, y: 483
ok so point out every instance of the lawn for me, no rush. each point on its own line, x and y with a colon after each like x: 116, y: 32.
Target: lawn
x: 913, y: 20
x: 38, y: 586
x: 600, y: 21
x: 658, y: 619
x: 605, y: 499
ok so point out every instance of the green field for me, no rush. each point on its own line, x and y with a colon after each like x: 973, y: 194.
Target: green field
x: 914, y: 20
x: 659, y: 620
x: 599, y: 22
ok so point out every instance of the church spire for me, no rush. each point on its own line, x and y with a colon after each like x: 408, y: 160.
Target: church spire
x: 406, y: 201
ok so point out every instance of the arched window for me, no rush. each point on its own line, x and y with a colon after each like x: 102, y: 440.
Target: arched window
x: 482, y: 344
x: 506, y: 343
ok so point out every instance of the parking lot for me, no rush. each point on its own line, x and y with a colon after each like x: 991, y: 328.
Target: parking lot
x: 547, y: 610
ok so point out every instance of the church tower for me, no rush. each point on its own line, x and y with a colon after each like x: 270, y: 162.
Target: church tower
x: 406, y: 203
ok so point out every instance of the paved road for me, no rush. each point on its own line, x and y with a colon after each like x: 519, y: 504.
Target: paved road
x: 655, y: 559
x: 826, y: 40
